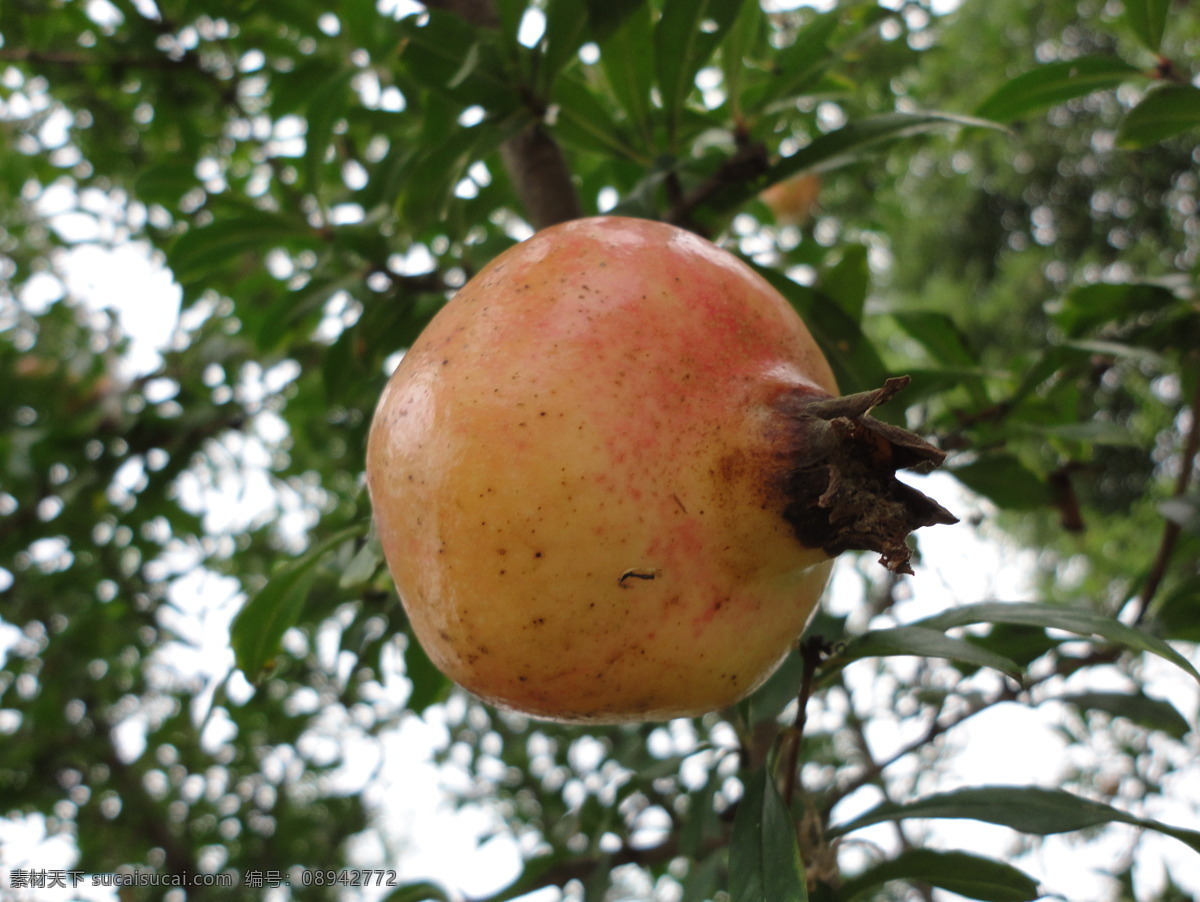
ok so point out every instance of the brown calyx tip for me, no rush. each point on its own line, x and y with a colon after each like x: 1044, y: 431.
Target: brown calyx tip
x: 841, y: 487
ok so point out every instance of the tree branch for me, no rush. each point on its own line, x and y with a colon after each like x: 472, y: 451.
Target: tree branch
x: 532, y: 158
x: 811, y: 652
x: 1171, y: 529
x: 540, y: 176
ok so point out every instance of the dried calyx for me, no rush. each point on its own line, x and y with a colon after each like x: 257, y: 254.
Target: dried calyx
x: 841, y: 486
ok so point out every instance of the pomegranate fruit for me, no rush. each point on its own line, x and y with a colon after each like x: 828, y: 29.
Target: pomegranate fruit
x: 793, y: 200
x: 610, y: 476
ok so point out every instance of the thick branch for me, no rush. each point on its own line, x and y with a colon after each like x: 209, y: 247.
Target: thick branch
x: 540, y: 176
x: 532, y: 158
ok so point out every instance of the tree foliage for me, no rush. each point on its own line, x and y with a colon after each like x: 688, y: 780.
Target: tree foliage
x: 197, y: 635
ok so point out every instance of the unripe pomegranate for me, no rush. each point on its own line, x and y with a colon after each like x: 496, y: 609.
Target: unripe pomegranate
x: 610, y: 476
x: 793, y: 200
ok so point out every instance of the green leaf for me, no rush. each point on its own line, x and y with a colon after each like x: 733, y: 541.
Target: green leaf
x: 363, y: 565
x: 1148, y: 19
x: 260, y: 624
x: 430, y: 184
x: 746, y: 33
x: 855, y: 362
x: 606, y: 16
x: 848, y: 281
x: 686, y: 35
x: 1093, y: 432
x: 1072, y: 620
x: 946, y: 345
x: 1023, y: 644
x: 966, y: 875
x: 1119, y: 350
x: 566, y: 30
x: 418, y: 892
x: 924, y: 643
x: 848, y: 144
x: 429, y: 685
x: 325, y: 106
x: 939, y: 335
x: 781, y: 688
x: 1054, y: 83
x: 445, y: 54
x: 165, y: 183
x: 801, y: 63
x: 1162, y: 114
x: 1004, y: 480
x: 764, y: 857
x: 627, y: 59
x: 1151, y: 713
x: 1175, y: 614
x: 585, y: 123
x: 1089, y: 308
x: 1027, y: 809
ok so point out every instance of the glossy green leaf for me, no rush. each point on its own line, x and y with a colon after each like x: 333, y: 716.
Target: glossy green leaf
x: 1052, y: 84
x: 1163, y: 113
x: 1148, y: 19
x: 970, y: 876
x: 1027, y: 809
x: 1151, y: 713
x: 1006, y: 481
x: 764, y: 857
x: 925, y: 643
x: 1081, y: 622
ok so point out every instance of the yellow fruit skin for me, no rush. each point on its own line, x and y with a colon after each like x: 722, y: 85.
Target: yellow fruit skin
x: 574, y: 474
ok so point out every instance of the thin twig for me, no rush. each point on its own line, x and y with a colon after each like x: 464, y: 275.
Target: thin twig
x: 811, y: 652
x: 936, y: 728
x: 1171, y: 529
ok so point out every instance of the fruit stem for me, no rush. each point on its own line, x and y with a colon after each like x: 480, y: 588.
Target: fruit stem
x: 841, y: 487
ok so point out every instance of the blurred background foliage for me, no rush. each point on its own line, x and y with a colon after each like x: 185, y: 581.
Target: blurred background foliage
x: 204, y: 665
